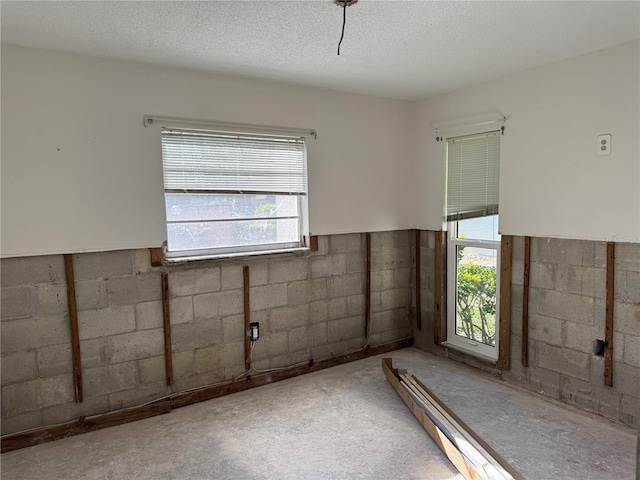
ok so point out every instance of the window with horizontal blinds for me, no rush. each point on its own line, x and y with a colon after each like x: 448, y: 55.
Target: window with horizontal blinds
x: 239, y: 163
x: 473, y: 164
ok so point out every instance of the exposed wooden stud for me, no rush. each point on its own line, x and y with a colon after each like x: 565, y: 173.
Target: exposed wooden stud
x: 166, y: 315
x: 504, y: 343
x: 608, y: 334
x: 525, y: 302
x: 247, y: 318
x: 73, y: 323
x: 418, y: 292
x: 367, y: 316
x: 157, y: 256
x: 313, y: 243
x: 439, y: 322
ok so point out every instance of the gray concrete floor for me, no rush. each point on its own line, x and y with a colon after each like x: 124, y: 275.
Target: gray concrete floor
x: 340, y: 423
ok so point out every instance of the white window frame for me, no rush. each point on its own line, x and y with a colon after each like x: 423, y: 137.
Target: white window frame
x: 177, y: 255
x: 454, y: 340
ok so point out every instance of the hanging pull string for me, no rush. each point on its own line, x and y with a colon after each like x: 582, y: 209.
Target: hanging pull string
x: 344, y: 21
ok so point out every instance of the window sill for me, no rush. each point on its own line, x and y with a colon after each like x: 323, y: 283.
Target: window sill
x: 178, y: 260
x: 484, y: 358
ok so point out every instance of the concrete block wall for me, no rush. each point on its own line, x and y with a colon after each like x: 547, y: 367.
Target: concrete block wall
x: 567, y: 305
x: 308, y: 306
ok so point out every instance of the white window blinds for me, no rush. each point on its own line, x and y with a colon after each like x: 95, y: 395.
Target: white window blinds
x: 473, y: 164
x: 229, y: 162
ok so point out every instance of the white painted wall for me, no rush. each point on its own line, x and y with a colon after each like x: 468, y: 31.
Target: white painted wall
x: 552, y: 182
x: 80, y: 172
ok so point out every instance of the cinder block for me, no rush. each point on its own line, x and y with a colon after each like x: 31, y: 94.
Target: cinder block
x: 90, y: 266
x: 91, y: 295
x: 542, y: 275
x: 181, y: 310
x: 109, y: 379
x: 271, y: 345
x: 150, y: 315
x: 233, y: 328
x: 544, y: 382
x: 356, y: 305
x: 194, y: 282
x: 581, y: 337
x: 337, y: 308
x: 626, y: 318
x: 345, y: 243
x: 216, y: 357
x: 562, y: 360
x: 351, y: 327
x: 183, y: 364
x: 403, y: 277
x: 138, y: 396
x: 382, y: 321
x: 25, y: 334
x: 320, y: 266
x: 106, y: 322
x: 56, y: 390
x: 382, y: 280
x: 565, y: 306
x: 209, y: 305
x: 290, y: 359
x: 17, y: 302
x: 632, y: 350
x: 608, y: 402
x: 259, y: 273
x: 289, y: 317
x: 18, y: 367
x: 199, y: 380
x: 52, y: 299
x: 32, y: 270
x: 317, y: 334
x: 344, y: 285
x: 404, y: 239
x: 318, y: 311
x: 135, y: 345
x: 545, y: 329
x: 323, y: 245
x: 627, y: 257
x: 20, y: 422
x: 133, y: 289
x: 306, y: 291
x: 288, y: 270
x: 382, y: 240
x: 627, y: 288
x: 268, y: 296
x: 20, y: 398
x: 54, y: 360
x: 152, y: 370
x: 196, y: 334
x: 233, y: 277
x: 298, y: 339
x: 556, y: 250
x: 618, y: 346
x: 71, y: 411
x: 93, y: 352
x: 626, y: 379
x: 356, y: 262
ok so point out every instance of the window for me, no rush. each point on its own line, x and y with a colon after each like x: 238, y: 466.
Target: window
x: 473, y: 243
x: 233, y: 193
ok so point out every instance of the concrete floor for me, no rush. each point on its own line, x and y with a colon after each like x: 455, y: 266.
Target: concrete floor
x: 341, y: 423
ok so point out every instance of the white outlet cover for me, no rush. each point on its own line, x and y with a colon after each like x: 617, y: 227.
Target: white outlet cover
x: 604, y: 144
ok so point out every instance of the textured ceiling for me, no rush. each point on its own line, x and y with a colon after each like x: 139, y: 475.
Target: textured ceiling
x: 398, y: 49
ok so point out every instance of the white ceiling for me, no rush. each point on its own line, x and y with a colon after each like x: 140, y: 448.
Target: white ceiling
x: 397, y: 49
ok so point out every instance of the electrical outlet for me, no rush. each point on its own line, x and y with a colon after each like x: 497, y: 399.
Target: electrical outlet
x: 604, y: 144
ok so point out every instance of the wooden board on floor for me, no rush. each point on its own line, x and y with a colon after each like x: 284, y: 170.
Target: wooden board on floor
x: 445, y: 427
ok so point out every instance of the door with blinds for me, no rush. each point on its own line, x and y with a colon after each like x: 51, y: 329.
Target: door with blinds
x: 473, y: 243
